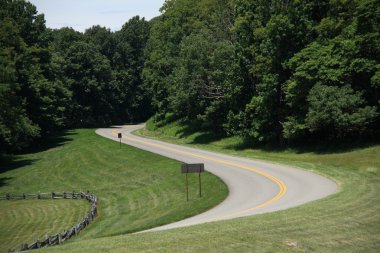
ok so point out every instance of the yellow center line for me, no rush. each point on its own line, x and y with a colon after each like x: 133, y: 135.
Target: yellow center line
x: 278, y: 182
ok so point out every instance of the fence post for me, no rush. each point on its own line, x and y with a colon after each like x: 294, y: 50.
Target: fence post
x: 48, y: 238
x: 8, y: 196
x: 23, y: 196
x: 24, y: 246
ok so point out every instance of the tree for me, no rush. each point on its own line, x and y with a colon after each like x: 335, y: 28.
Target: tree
x: 338, y: 111
x: 16, y: 128
x: 128, y: 62
x: 90, y: 79
x: 338, y: 58
x: 103, y: 38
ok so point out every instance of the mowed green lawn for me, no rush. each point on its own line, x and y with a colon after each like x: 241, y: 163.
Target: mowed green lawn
x: 25, y: 221
x: 136, y: 189
x: 348, y: 221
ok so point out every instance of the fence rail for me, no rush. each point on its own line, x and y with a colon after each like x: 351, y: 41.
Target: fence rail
x: 52, y: 195
x: 58, y: 238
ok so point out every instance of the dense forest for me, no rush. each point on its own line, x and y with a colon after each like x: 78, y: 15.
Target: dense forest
x: 55, y: 79
x: 271, y: 71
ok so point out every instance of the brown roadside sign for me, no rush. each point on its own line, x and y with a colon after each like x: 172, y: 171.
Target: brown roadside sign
x: 119, y: 135
x: 193, y: 168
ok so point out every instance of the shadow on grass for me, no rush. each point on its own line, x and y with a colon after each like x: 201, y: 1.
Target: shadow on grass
x: 53, y: 140
x: 316, y: 147
x: 3, y: 181
x: 185, y: 131
x: 13, y: 162
x: 202, y: 137
x: 301, y: 148
x: 8, y: 163
x: 118, y: 126
x: 16, y: 161
x: 206, y: 138
x: 311, y: 146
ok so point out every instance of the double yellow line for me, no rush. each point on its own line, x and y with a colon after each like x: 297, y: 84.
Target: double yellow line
x: 278, y: 182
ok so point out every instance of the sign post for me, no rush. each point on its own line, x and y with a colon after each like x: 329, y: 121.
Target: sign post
x: 187, y: 189
x: 119, y: 135
x: 200, y: 185
x: 193, y: 168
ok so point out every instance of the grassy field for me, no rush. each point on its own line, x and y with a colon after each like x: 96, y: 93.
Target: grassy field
x: 136, y: 189
x: 25, y: 221
x: 348, y: 221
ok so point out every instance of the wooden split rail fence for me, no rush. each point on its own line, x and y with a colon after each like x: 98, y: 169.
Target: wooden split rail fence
x: 58, y: 238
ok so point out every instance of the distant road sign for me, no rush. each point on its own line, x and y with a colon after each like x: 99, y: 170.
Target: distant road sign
x: 119, y: 135
x: 193, y: 168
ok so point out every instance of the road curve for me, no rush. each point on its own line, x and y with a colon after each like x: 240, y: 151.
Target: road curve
x: 255, y: 187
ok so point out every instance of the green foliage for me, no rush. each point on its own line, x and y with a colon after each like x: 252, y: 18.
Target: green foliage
x: 200, y: 80
x: 273, y: 56
x: 34, y: 99
x: 337, y: 110
x: 337, y: 63
x: 16, y: 129
x: 62, y: 78
x: 128, y: 61
x: 246, y: 68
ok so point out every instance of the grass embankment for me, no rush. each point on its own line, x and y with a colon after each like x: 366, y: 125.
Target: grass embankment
x: 136, y: 189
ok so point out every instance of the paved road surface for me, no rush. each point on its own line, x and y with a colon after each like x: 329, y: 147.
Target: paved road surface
x: 254, y: 186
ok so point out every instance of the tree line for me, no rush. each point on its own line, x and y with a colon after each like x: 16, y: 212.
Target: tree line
x: 54, y: 79
x: 271, y: 71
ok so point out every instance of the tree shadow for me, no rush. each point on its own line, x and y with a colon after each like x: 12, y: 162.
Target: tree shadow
x: 242, y: 145
x: 8, y: 163
x: 15, y: 161
x: 317, y: 146
x: 118, y: 126
x: 308, y: 147
x: 334, y: 147
x: 52, y: 140
x: 206, y: 138
x: 3, y: 181
x: 203, y: 137
x: 185, y: 131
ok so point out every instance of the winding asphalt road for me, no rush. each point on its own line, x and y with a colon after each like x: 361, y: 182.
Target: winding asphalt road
x: 255, y: 187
